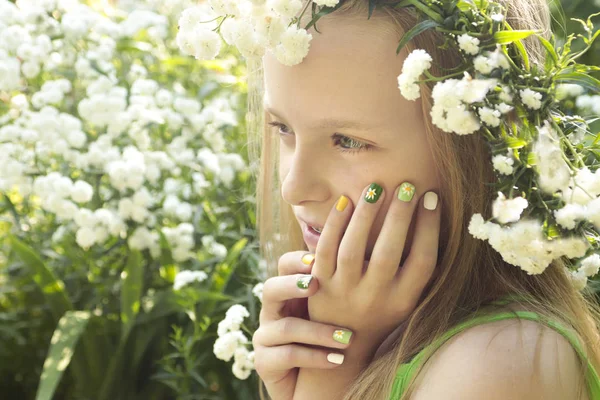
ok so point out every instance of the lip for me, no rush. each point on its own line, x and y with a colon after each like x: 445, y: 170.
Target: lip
x: 311, y: 238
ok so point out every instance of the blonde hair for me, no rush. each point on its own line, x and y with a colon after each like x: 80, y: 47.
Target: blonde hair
x: 469, y: 272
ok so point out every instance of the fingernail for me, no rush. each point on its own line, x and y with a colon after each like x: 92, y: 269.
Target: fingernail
x: 406, y: 192
x: 373, y: 193
x: 342, y: 336
x: 341, y: 203
x: 335, y: 358
x: 308, y: 258
x: 304, y: 281
x: 431, y: 200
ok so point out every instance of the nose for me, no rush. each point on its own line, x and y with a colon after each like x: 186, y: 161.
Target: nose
x: 303, y: 175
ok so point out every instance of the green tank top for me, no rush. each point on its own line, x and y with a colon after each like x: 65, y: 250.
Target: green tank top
x: 407, y: 370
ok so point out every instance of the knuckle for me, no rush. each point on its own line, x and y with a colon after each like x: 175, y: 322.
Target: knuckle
x: 425, y: 259
x: 256, y: 338
x: 288, y: 354
x: 286, y: 327
x: 347, y: 256
x: 281, y: 262
x: 268, y: 288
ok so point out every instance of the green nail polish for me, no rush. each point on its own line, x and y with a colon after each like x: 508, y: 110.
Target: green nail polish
x: 406, y: 192
x: 342, y: 336
x: 373, y: 193
x: 304, y: 281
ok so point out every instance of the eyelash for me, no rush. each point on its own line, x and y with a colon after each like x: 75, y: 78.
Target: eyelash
x: 362, y: 146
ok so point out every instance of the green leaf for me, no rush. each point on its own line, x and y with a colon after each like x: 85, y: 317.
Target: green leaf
x: 51, y: 287
x: 372, y: 6
x: 63, y: 343
x: 549, y: 49
x: 515, y: 142
x: 506, y: 37
x: 465, y: 5
x: 131, y: 291
x: 416, y: 30
x: 581, y: 79
x: 323, y: 12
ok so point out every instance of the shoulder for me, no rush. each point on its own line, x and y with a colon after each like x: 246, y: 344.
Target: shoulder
x: 507, y: 359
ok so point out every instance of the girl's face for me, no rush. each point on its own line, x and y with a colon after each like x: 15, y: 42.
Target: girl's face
x: 344, y: 123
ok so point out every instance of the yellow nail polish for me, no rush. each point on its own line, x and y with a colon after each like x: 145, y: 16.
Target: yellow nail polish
x: 307, y: 259
x: 341, y: 203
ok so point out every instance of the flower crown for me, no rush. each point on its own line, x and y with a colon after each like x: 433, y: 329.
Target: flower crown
x: 548, y: 180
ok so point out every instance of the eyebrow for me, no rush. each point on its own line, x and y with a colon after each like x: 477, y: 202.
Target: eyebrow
x: 330, y: 123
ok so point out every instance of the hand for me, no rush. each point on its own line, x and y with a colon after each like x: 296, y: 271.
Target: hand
x: 283, y: 328
x: 373, y: 297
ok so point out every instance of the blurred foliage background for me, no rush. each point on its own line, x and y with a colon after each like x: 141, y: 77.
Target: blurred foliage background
x: 87, y: 312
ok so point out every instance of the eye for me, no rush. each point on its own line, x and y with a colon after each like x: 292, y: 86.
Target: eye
x: 354, y: 146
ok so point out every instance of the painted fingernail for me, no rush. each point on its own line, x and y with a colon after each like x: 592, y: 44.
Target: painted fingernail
x: 335, y: 358
x: 430, y: 201
x: 342, y: 336
x: 373, y: 193
x: 406, y: 192
x: 304, y: 281
x: 341, y: 203
x: 308, y: 258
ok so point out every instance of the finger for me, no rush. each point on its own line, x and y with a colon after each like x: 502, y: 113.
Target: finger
x: 423, y: 257
x: 350, y: 260
x: 389, y: 247
x: 288, y: 356
x: 328, y: 245
x: 298, y: 330
x: 279, y: 289
x: 295, y: 262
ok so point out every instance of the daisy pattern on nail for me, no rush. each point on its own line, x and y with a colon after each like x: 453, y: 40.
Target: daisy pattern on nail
x: 371, y: 194
x: 408, y: 189
x: 339, y: 334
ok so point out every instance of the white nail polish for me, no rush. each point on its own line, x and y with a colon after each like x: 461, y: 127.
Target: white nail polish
x: 335, y: 358
x: 430, y: 201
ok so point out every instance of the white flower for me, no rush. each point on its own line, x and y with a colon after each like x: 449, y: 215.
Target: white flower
x: 82, y: 192
x: 415, y: 64
x: 294, y: 46
x: 468, y: 44
x: 505, y: 94
x: 285, y: 8
x: 237, y: 313
x: 497, y: 17
x: 85, y: 237
x: 478, y: 227
x: 590, y: 265
x: 531, y: 98
x: 578, y: 279
x: 568, y: 215
x: 565, y: 90
x: 490, y: 117
x: 504, y: 108
x: 462, y: 121
x: 409, y: 89
x: 257, y: 290
x: 186, y: 277
x: 508, y: 210
x: 328, y: 3
x: 226, y: 345
x: 483, y: 64
x: 503, y: 164
x: 553, y: 172
x: 224, y: 7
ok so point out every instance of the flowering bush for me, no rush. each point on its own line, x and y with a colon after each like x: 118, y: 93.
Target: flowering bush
x: 120, y: 168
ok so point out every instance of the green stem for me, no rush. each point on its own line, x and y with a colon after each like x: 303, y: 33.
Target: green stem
x: 441, y: 78
x: 302, y: 13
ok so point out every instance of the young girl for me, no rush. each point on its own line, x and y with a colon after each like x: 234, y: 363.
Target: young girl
x: 394, y: 299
